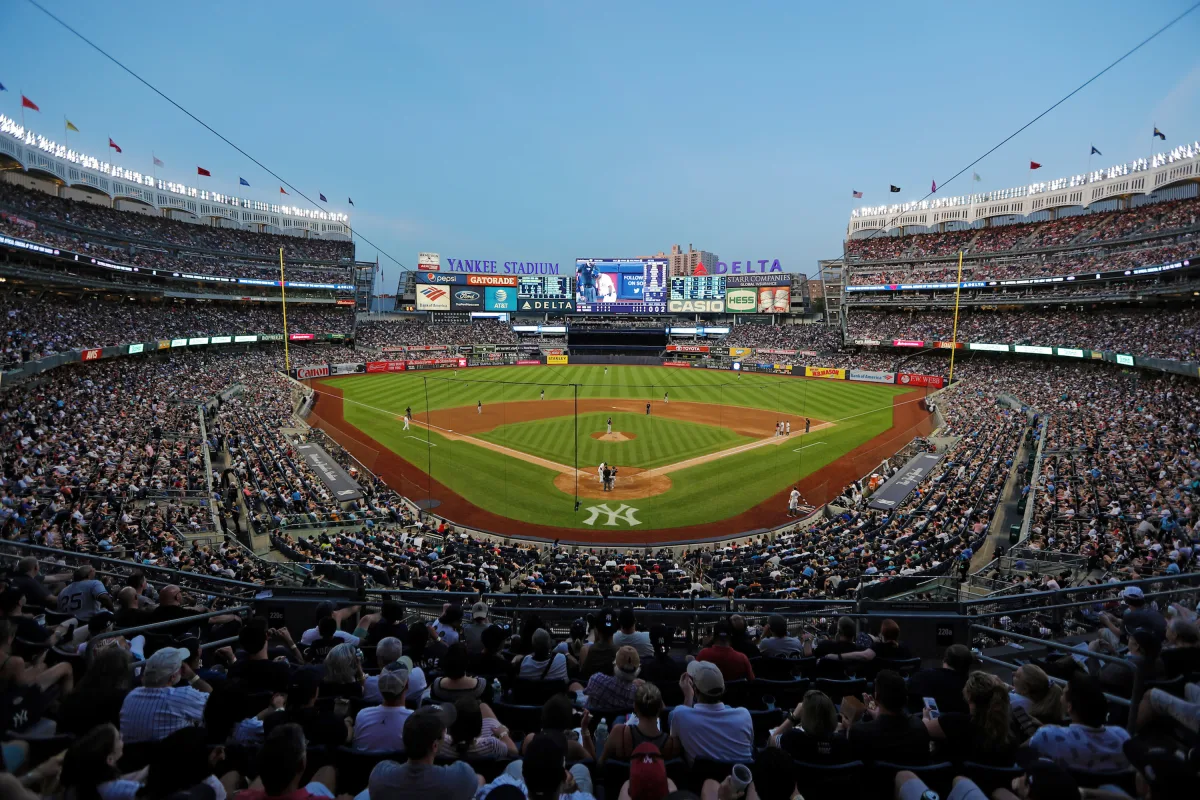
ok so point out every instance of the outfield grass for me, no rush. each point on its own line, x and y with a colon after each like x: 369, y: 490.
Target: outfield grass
x: 658, y: 441
x: 703, y: 493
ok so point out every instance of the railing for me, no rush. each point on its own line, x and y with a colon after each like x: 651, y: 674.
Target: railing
x: 186, y: 622
x: 212, y: 507
x: 1035, y: 475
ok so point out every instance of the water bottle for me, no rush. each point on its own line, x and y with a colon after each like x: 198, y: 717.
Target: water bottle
x: 601, y: 735
x: 496, y: 690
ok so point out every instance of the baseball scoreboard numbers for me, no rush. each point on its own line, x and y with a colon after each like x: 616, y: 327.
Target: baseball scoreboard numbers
x: 544, y: 287
x: 697, y: 295
x: 621, y: 285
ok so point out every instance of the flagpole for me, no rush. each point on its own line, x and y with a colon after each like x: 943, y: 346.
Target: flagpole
x: 954, y: 335
x: 287, y: 361
x: 24, y: 132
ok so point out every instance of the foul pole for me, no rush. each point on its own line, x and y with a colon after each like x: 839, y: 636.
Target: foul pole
x: 954, y: 335
x: 287, y: 359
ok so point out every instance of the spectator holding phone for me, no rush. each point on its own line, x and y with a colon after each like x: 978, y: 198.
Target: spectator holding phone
x: 880, y: 728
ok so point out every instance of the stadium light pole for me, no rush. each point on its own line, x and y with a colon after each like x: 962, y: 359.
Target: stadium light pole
x: 575, y: 389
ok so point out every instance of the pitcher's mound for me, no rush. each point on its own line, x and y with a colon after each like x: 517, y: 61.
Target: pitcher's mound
x: 615, y: 436
x: 631, y: 484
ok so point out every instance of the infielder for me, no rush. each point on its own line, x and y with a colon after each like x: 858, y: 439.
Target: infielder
x: 807, y: 424
x: 647, y: 409
x: 666, y: 397
x: 543, y: 394
x: 610, y: 426
x: 789, y: 428
x: 600, y: 471
x: 406, y: 422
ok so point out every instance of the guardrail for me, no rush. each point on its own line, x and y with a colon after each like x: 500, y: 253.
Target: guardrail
x: 1035, y: 475
x: 186, y: 622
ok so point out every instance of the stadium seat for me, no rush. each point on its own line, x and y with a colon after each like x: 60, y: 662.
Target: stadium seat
x: 354, y: 766
x: 787, y: 693
x: 989, y: 777
x: 527, y: 692
x: 835, y: 689
x: 937, y: 777
x: 521, y: 719
x: 904, y: 666
x: 1092, y: 779
x: 764, y: 722
x: 829, y: 781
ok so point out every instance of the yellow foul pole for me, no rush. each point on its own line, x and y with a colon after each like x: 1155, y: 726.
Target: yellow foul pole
x: 287, y: 361
x: 953, y: 336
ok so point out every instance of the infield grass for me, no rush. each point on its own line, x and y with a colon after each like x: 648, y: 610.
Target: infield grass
x: 703, y: 493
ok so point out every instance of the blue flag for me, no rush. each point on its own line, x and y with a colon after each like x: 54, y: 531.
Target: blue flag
x: 243, y: 182
x: 1095, y: 152
x: 351, y: 201
x: 2, y: 89
x: 1160, y: 134
x: 323, y: 200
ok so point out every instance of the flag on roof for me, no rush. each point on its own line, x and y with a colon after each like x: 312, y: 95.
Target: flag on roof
x: 1095, y: 152
x: 1034, y: 165
x: 71, y: 126
x: 975, y: 177
x: 157, y: 161
x: 351, y: 200
x: 856, y: 193
x: 243, y: 182
x: 933, y: 186
x: 113, y: 145
x: 203, y: 171
x: 27, y: 103
x: 1160, y: 134
x: 894, y: 188
x: 281, y: 191
x: 323, y: 200
x: 2, y: 89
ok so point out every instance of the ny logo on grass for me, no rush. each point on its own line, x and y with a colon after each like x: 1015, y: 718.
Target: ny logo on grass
x: 620, y: 513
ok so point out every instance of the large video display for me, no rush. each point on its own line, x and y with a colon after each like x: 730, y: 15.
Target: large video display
x: 621, y: 285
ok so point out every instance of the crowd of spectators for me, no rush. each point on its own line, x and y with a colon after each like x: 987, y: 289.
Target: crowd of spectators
x: 36, y: 326
x: 813, y: 338
x: 419, y: 333
x: 1108, y: 226
x: 80, y: 222
x: 1171, y: 333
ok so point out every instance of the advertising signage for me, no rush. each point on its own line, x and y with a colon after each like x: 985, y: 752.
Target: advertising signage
x: 464, y: 298
x: 621, y: 285
x: 741, y: 301
x: 496, y: 298
x: 433, y: 298
x: 769, y: 279
x: 483, y: 266
x: 540, y: 305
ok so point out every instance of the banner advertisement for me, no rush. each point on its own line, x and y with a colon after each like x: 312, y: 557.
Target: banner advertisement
x: 774, y: 300
x: 776, y: 352
x: 553, y: 351
x: 1124, y: 360
x: 687, y: 348
x: 90, y: 355
x: 741, y: 301
x: 540, y: 304
x: 560, y: 359
x: 216, y: 340
x: 907, y: 343
x: 512, y: 348
x: 676, y: 363
x: 466, y: 299
x: 134, y: 349
x: 197, y: 340
x: 301, y: 337
x: 994, y: 348
x: 868, y: 342
x: 432, y: 298
x: 491, y: 280
x: 385, y: 366
x: 741, y: 352
x: 179, y: 342
x: 912, y: 379
x: 435, y: 363
x: 949, y: 345
x: 696, y: 306
x: 345, y: 302
x: 245, y: 337
x: 1062, y: 351
x: 1035, y: 349
x: 781, y: 369
x: 528, y: 362
x: 163, y: 344
x: 318, y: 371
x: 824, y: 372
x: 346, y: 369
x: 443, y: 278
x: 497, y: 299
x: 429, y: 261
x: 271, y: 337
x: 871, y: 376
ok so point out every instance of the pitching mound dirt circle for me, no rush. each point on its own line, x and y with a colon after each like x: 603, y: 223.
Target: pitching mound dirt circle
x: 615, y: 436
x: 631, y: 483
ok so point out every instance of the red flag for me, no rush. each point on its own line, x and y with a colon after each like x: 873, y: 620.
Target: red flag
x: 113, y: 145
x: 27, y: 103
x: 933, y: 186
x: 1034, y: 165
x: 203, y: 171
x: 281, y: 191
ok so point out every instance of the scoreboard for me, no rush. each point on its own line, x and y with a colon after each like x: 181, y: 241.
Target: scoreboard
x: 555, y: 287
x: 708, y: 287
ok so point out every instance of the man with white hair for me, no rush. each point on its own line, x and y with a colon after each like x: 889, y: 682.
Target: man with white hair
x: 158, y: 707
x: 389, y: 655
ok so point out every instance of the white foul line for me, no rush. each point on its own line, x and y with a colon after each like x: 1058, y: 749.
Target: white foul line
x: 419, y: 439
x: 814, y: 444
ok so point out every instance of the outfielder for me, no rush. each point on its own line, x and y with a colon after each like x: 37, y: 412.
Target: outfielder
x: 543, y: 394
x: 479, y: 407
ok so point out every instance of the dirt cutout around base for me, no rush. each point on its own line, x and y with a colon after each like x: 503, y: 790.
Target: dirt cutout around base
x: 631, y: 483
x: 615, y: 436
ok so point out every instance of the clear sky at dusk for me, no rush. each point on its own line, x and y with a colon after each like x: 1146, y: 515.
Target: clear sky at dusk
x: 542, y: 131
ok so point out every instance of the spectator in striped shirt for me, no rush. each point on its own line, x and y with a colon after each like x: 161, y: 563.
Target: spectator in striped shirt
x: 159, y: 707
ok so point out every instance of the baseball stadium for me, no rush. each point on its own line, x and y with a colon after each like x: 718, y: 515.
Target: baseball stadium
x: 478, y: 485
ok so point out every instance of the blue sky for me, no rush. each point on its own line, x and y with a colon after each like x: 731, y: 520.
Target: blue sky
x: 542, y: 131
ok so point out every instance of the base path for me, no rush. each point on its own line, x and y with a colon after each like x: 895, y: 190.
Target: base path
x: 908, y: 420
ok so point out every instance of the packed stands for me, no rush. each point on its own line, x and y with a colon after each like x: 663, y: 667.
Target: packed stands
x: 397, y: 332
x: 815, y: 338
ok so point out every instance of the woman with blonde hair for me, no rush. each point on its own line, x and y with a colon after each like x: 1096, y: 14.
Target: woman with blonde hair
x: 344, y: 676
x: 642, y: 726
x: 1036, y: 695
x: 982, y: 734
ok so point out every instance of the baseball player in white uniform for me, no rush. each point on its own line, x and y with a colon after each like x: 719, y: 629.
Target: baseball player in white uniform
x: 406, y: 422
x: 794, y: 502
x: 600, y: 471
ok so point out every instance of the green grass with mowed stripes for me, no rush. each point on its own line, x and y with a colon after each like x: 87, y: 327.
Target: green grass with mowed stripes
x: 704, y: 493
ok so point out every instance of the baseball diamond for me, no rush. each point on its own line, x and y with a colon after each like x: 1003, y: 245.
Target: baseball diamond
x: 709, y: 463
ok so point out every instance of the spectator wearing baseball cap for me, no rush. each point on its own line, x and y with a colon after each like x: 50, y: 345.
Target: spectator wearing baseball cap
x: 733, y: 665
x: 1136, y: 614
x: 599, y: 655
x: 704, y: 725
x: 381, y: 727
x: 472, y: 632
x: 615, y: 691
x: 647, y: 775
x: 158, y: 707
x: 419, y: 778
x: 662, y: 667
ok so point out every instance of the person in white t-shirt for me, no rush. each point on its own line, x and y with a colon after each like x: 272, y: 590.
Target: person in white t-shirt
x: 381, y: 728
